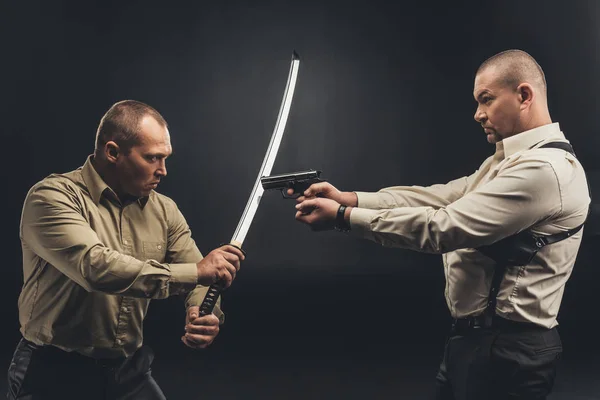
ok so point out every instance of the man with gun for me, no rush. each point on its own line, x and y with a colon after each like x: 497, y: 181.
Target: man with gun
x: 509, y: 234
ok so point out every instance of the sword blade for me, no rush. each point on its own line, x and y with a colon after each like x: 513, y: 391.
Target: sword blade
x: 210, y: 299
x: 267, y: 165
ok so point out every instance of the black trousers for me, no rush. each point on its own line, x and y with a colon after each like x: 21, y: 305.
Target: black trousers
x: 48, y: 373
x: 508, y: 362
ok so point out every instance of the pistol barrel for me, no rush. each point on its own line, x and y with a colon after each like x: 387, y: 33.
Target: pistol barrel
x: 286, y: 180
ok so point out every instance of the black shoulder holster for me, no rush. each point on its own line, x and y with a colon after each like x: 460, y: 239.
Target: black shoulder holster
x: 519, y: 249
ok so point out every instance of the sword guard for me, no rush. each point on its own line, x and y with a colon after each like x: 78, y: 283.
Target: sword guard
x: 235, y: 244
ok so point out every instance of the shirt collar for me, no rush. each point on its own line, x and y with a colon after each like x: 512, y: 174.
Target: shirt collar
x: 528, y: 139
x: 98, y: 187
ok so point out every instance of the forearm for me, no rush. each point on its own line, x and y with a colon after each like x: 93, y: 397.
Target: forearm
x: 101, y: 269
x: 513, y: 201
x: 414, y: 228
x: 436, y: 196
x: 55, y: 228
x: 108, y: 271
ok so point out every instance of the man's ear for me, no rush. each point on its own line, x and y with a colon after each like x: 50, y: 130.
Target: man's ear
x: 526, y: 95
x: 112, y: 151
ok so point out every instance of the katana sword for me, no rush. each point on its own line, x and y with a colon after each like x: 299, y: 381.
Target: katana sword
x: 257, y: 191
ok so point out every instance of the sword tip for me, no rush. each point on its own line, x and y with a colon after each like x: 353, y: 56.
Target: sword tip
x: 295, y: 55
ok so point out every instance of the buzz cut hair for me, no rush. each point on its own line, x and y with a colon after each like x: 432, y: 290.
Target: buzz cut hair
x: 121, y: 124
x: 515, y: 67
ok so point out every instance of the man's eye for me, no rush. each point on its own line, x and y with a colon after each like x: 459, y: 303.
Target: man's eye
x: 486, y: 100
x: 152, y: 158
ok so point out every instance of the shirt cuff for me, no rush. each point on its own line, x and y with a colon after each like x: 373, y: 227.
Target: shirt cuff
x: 369, y: 200
x: 184, y: 278
x: 360, y: 222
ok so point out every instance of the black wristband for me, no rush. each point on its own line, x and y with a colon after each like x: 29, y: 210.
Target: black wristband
x: 340, y: 220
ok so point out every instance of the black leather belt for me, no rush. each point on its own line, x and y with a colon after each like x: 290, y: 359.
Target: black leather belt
x: 478, y: 322
x: 54, y: 354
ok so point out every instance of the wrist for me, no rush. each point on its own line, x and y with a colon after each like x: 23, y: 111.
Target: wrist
x: 342, y: 219
x: 347, y: 213
x: 349, y: 199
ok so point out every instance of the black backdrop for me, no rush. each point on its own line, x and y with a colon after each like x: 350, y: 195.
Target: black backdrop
x: 384, y: 97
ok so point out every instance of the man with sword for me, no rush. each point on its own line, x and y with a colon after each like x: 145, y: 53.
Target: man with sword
x: 98, y: 244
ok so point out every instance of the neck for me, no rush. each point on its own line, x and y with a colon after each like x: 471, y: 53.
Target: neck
x: 537, y: 122
x: 539, y: 116
x: 108, y: 174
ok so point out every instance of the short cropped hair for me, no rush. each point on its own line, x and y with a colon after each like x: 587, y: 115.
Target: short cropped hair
x: 516, y: 67
x: 121, y: 124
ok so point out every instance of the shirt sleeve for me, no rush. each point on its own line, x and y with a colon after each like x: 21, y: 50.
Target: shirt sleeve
x: 181, y: 248
x: 53, y: 226
x: 518, y: 197
x: 436, y: 196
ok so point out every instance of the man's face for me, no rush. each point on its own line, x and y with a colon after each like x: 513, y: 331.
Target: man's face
x: 141, y: 170
x: 498, y: 109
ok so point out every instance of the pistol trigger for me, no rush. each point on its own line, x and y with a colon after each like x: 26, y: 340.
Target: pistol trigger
x: 287, y: 196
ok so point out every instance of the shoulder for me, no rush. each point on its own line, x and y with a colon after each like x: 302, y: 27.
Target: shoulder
x: 65, y: 184
x: 563, y: 164
x: 545, y: 169
x: 531, y: 171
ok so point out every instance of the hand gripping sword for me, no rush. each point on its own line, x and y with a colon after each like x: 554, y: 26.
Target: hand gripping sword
x: 255, y: 196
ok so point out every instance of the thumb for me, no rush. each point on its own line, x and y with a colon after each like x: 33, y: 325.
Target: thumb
x: 323, y: 188
x: 193, y: 312
x: 313, y: 189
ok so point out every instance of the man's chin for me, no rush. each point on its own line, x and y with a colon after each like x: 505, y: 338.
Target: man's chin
x: 142, y: 193
x: 493, y: 138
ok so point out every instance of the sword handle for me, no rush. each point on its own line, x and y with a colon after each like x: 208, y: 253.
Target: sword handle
x: 214, y: 290
x: 210, y: 300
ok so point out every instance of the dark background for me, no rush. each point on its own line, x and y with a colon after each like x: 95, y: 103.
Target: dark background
x: 384, y: 97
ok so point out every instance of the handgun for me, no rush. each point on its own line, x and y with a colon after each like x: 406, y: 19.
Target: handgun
x: 298, y: 181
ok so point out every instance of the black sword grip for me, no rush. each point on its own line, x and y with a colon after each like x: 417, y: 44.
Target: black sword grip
x: 210, y: 300
x: 214, y: 290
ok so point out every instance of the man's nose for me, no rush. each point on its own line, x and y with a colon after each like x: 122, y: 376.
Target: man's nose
x: 162, y: 170
x: 479, y: 115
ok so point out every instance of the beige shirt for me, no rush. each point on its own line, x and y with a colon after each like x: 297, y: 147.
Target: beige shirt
x: 91, y: 264
x: 513, y: 190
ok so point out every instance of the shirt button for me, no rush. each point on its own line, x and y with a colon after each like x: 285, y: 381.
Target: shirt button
x: 124, y: 309
x: 125, y: 241
x: 159, y: 247
x: 119, y: 342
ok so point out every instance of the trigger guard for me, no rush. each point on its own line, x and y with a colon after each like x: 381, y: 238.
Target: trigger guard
x: 287, y: 196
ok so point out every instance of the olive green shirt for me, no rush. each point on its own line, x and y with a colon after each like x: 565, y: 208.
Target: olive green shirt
x: 91, y: 264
